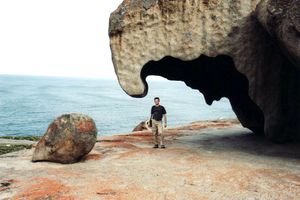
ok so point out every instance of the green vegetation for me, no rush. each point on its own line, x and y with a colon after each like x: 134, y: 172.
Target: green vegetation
x: 7, y: 148
x: 31, y: 138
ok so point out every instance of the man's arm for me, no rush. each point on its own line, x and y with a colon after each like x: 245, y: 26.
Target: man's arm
x: 165, y: 119
x: 151, y: 113
x: 151, y: 116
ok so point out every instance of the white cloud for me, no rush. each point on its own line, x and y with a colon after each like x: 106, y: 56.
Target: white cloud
x: 57, y: 37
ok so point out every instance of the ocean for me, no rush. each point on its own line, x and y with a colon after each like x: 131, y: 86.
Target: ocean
x: 28, y: 104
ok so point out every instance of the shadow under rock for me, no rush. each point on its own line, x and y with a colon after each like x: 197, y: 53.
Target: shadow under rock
x: 245, y: 141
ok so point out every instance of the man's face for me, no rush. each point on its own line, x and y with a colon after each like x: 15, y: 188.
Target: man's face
x: 156, y: 101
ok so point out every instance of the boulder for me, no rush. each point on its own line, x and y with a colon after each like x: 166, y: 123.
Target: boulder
x: 67, y: 139
x: 222, y: 49
x: 143, y: 126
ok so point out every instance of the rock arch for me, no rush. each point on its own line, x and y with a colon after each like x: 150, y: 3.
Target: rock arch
x: 214, y: 77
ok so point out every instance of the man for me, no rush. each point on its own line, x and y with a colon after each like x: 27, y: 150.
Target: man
x: 157, y: 113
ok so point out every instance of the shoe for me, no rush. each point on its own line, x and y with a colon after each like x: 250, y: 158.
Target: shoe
x: 162, y: 146
x: 155, y: 146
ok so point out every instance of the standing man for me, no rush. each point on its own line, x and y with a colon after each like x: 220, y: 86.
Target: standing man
x: 157, y: 113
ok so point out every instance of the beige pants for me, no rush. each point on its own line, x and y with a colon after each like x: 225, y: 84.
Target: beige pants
x: 157, y: 130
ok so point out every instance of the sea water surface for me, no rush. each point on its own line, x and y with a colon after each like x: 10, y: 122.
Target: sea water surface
x: 28, y: 104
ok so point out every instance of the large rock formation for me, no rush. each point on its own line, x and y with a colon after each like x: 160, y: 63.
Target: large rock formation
x: 281, y: 18
x: 221, y: 48
x: 67, y: 140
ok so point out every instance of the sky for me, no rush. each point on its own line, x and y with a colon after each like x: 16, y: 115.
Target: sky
x: 56, y: 37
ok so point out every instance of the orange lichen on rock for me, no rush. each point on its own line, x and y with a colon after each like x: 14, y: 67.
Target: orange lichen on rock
x: 44, y: 188
x: 85, y: 126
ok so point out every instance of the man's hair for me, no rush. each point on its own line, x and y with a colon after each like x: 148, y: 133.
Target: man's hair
x: 156, y: 98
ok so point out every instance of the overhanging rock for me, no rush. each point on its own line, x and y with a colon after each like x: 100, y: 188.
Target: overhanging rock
x: 221, y: 48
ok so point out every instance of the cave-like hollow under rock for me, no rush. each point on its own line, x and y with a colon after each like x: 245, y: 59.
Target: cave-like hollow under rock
x: 214, y: 77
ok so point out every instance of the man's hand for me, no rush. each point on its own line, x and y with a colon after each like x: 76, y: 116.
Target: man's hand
x: 165, y: 124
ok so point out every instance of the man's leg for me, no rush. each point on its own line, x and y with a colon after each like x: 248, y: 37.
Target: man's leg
x: 160, y: 132
x: 155, y: 133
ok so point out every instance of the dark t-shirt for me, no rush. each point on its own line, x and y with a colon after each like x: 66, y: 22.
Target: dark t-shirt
x: 157, y: 112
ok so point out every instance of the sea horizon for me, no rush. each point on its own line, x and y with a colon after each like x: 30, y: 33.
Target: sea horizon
x: 29, y: 103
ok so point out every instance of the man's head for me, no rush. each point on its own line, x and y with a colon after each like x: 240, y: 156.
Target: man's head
x: 156, y: 100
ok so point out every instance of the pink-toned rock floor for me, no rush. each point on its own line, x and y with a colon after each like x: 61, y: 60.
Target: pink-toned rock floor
x: 203, y: 160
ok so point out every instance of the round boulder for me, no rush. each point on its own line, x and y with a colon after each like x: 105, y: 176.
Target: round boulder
x: 68, y: 138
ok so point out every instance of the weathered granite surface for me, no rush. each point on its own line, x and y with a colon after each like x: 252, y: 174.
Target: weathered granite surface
x: 202, y: 161
x: 221, y: 48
